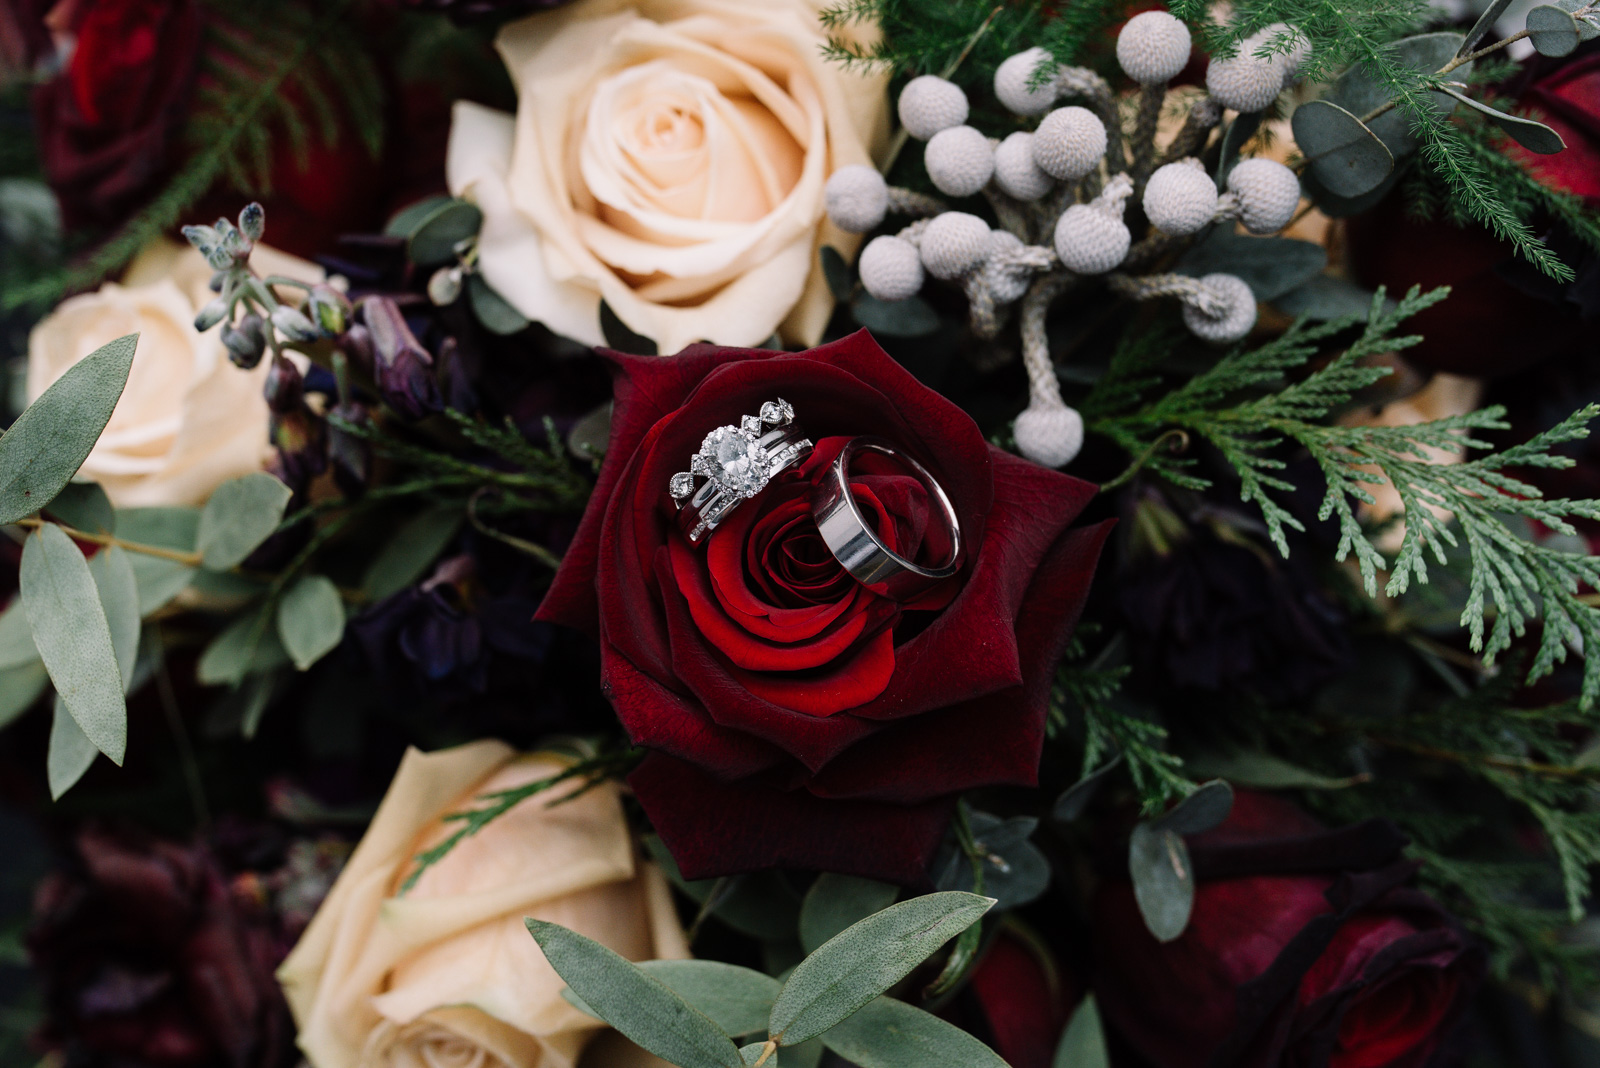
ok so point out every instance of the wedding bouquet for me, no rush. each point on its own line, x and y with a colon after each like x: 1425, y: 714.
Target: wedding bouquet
x: 893, y: 533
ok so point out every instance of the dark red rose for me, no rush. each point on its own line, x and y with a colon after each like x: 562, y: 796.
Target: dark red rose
x: 146, y: 957
x: 1306, y: 948
x: 1024, y: 999
x: 1567, y: 99
x: 796, y: 718
x: 108, y: 123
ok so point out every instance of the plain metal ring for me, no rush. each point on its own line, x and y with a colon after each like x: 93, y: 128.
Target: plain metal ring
x: 856, y: 545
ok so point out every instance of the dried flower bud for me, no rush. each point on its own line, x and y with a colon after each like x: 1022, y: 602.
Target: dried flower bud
x: 253, y: 221
x: 1153, y: 47
x: 959, y: 161
x: 891, y: 268
x: 402, y: 368
x: 245, y: 341
x: 328, y: 309
x: 1013, y: 81
x: 285, y: 388
x: 1180, y: 198
x: 857, y: 198
x: 444, y: 287
x: 293, y: 324
x: 212, y: 314
x: 954, y: 243
x: 929, y: 104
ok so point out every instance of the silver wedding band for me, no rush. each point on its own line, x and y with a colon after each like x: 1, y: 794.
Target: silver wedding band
x: 857, y: 546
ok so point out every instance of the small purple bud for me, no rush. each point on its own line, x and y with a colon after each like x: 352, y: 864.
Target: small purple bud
x: 301, y: 438
x: 403, y: 369
x: 356, y: 343
x: 245, y: 341
x: 285, y: 388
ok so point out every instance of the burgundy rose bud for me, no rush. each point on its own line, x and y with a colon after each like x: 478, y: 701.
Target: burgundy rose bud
x: 285, y: 388
x: 1306, y: 947
x: 246, y: 340
x: 402, y: 367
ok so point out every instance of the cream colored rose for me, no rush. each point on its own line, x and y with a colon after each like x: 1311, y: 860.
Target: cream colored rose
x: 188, y: 420
x: 447, y: 975
x: 668, y: 156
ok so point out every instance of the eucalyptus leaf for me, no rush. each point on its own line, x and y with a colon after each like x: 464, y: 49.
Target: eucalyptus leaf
x: 241, y: 514
x: 912, y: 317
x: 412, y: 549
x: 435, y: 238
x: 1202, y: 810
x: 1531, y: 135
x: 834, y: 902
x: 1163, y: 880
x: 493, y: 311
x: 1239, y: 131
x: 70, y: 753
x: 1552, y: 31
x: 310, y: 620
x: 1072, y: 803
x: 1344, y: 155
x: 1326, y: 297
x: 887, y: 1033
x: 159, y: 579
x: 245, y: 646
x: 591, y: 434
x: 84, y: 506
x: 1485, y: 23
x: 20, y: 687
x: 841, y: 283
x: 1083, y: 1043
x: 407, y: 219
x: 119, y: 600
x: 736, y: 999
x: 72, y: 636
x: 621, y: 337
x: 869, y: 957
x: 751, y: 1054
x: 1358, y: 92
x: 762, y: 904
x: 1338, y: 207
x: 642, y: 1007
x: 1270, y: 266
x: 16, y: 637
x: 1014, y: 871
x: 1263, y: 771
x: 50, y: 440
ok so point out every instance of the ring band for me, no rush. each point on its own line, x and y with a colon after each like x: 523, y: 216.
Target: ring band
x: 737, y: 463
x: 857, y: 546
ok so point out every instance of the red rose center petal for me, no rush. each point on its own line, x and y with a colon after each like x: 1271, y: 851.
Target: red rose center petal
x: 1392, y: 1018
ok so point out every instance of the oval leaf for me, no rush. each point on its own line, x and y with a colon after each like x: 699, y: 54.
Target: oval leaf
x: 891, y: 1034
x: 434, y: 240
x: 70, y: 631
x: 310, y: 620
x: 912, y: 317
x: 493, y: 311
x: 1163, y: 884
x: 640, y: 1006
x: 20, y: 687
x: 50, y: 440
x: 240, y: 515
x: 246, y: 645
x: 1202, y: 810
x: 834, y: 902
x: 406, y: 556
x: 1346, y: 157
x: 84, y: 506
x: 736, y: 999
x: 1083, y: 1044
x: 1071, y: 804
x: 160, y: 579
x: 16, y: 638
x: 70, y: 753
x: 119, y: 599
x: 1531, y: 135
x: 1552, y: 31
x: 860, y: 963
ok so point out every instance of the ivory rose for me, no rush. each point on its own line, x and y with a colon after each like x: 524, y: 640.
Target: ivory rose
x: 188, y: 419
x: 668, y: 156
x: 447, y: 974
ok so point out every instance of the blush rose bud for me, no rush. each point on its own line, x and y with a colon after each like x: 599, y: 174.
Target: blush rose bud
x: 245, y: 341
x: 293, y: 324
x: 402, y: 367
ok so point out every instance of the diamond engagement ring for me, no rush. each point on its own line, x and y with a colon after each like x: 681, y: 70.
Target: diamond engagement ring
x: 854, y: 543
x: 737, y: 462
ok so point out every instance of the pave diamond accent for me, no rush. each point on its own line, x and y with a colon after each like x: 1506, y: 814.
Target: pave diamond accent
x: 777, y: 412
x: 734, y: 460
x: 751, y: 423
x: 682, y: 485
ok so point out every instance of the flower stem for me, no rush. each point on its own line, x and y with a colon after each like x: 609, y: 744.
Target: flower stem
x: 177, y: 555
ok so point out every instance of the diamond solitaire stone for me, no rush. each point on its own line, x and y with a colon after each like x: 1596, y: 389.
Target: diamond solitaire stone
x: 682, y: 485
x: 778, y: 412
x: 734, y: 460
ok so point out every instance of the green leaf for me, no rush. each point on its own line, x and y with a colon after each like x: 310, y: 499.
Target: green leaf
x: 1083, y: 1044
x: 1552, y: 31
x: 160, y: 580
x: 1071, y: 804
x: 16, y: 638
x: 493, y: 310
x: 245, y: 646
x: 736, y: 999
x: 857, y: 965
x: 1345, y: 156
x: 20, y: 687
x: 834, y: 902
x: 1163, y: 882
x: 1263, y: 771
x: 641, y: 1007
x: 1202, y: 810
x: 762, y: 905
x: 912, y: 317
x: 1014, y: 871
x: 591, y: 434
x: 84, y: 506
x: 1531, y: 135
x: 240, y: 515
x: 1485, y: 23
x: 1325, y: 297
x: 406, y: 556
x: 1239, y: 131
x: 751, y: 1054
x: 1359, y: 91
x: 407, y: 219
x: 310, y: 620
x: 119, y: 599
x: 70, y: 753
x: 50, y: 440
x: 620, y: 336
x: 434, y: 240
x: 1270, y: 266
x: 841, y: 283
x: 72, y: 636
x: 891, y: 1034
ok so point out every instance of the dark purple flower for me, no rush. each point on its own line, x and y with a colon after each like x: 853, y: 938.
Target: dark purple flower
x: 402, y: 368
